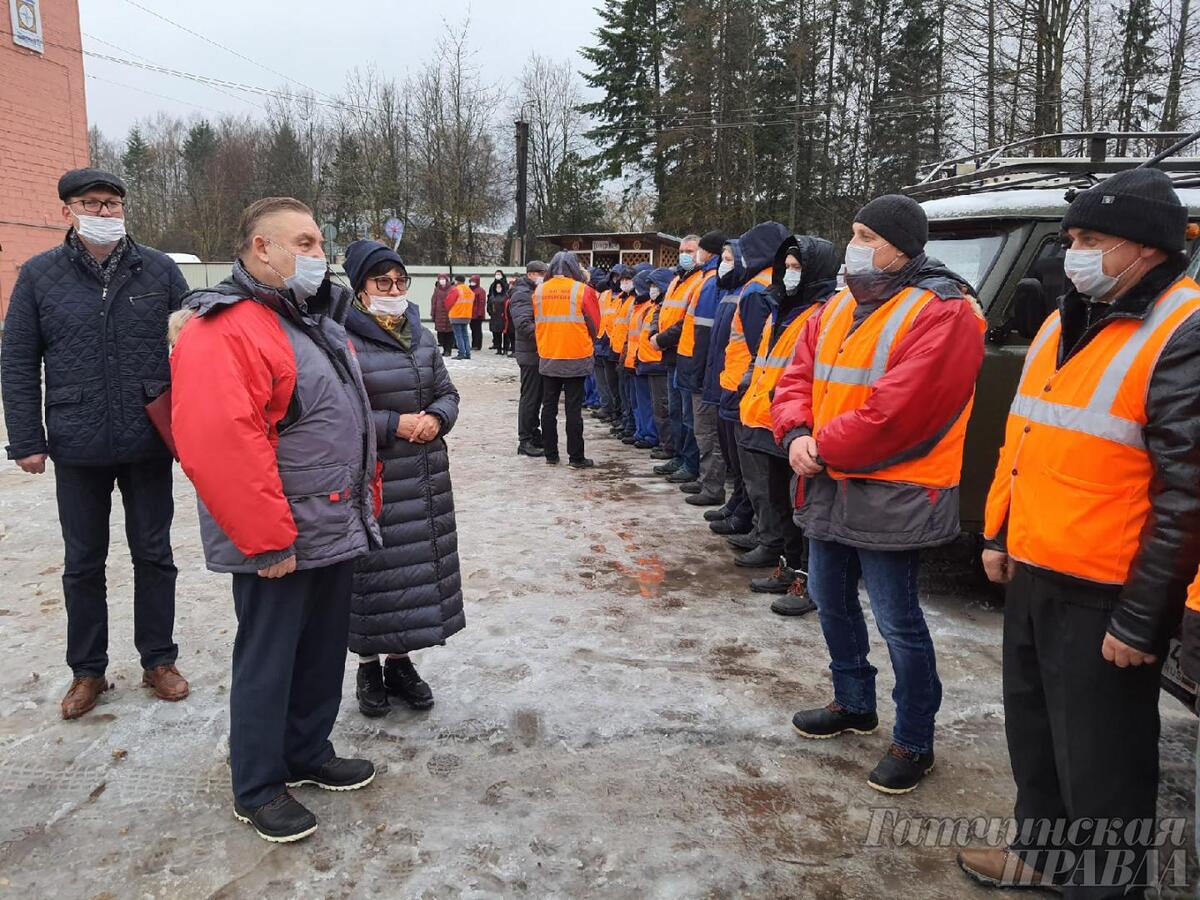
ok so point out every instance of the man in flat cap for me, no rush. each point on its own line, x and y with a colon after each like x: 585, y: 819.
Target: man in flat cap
x: 93, y: 311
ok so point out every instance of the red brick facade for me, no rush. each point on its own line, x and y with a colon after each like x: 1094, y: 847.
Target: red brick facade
x: 43, y: 132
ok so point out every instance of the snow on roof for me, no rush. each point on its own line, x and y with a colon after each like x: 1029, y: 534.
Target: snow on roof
x: 1020, y: 204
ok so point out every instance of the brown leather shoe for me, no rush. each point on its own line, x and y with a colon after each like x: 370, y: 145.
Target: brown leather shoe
x: 997, y: 867
x: 81, y: 696
x: 168, y: 684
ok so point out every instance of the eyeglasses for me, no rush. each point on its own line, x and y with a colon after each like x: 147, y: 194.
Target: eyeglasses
x: 94, y: 206
x: 384, y: 283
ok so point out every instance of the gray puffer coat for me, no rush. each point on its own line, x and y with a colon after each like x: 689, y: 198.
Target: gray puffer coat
x: 407, y: 595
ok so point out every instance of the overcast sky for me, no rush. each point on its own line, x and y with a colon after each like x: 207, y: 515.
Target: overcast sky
x: 313, y: 42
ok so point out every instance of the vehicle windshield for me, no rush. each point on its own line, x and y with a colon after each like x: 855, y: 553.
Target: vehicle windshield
x: 967, y: 253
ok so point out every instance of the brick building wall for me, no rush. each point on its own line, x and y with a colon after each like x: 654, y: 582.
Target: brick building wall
x: 43, y: 132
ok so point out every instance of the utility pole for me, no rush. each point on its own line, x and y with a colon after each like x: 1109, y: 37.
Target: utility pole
x: 522, y: 190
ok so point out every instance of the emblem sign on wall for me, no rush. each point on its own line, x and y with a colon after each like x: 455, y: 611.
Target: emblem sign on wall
x: 27, y: 24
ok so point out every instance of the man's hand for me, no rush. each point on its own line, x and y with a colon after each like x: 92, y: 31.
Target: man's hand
x: 999, y: 566
x: 287, y: 567
x: 1121, y: 655
x: 407, y: 425
x: 803, y: 457
x: 33, y: 465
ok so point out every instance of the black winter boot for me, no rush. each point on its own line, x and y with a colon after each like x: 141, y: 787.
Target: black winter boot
x: 758, y: 558
x: 402, y: 681
x: 778, y: 582
x: 371, y: 694
x: 900, y: 770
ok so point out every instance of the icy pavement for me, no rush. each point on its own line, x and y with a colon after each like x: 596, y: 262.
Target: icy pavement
x: 614, y: 721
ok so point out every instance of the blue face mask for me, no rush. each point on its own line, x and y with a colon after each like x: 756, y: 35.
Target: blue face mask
x: 687, y: 261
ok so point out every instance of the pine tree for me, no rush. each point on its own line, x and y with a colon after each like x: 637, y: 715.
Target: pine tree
x: 137, y: 163
x: 285, y: 166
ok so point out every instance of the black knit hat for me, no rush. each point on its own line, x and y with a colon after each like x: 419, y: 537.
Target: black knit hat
x: 1139, y: 205
x: 713, y: 242
x: 899, y: 220
x: 363, y: 256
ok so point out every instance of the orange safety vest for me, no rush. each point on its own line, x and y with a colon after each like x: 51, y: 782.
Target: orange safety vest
x: 645, y: 350
x: 737, y: 352
x: 464, y: 302
x: 1074, y: 476
x: 561, y: 328
x: 848, y: 364
x: 608, y: 308
x: 634, y: 338
x: 675, y: 303
x: 1193, y: 595
x: 687, y: 337
x: 755, y: 407
x: 618, y: 329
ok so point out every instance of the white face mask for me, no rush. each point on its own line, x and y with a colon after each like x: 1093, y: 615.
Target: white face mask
x: 1085, y: 268
x: 654, y: 292
x: 536, y: 279
x: 791, y: 279
x: 724, y: 269
x: 860, y: 260
x: 627, y: 286
x: 306, y: 280
x: 103, y: 231
x: 387, y: 306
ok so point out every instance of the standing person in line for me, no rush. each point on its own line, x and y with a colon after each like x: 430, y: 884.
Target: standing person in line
x: 618, y: 331
x: 440, y: 312
x: 461, y: 303
x: 566, y: 317
x: 497, y: 299
x: 652, y: 366
x: 510, y: 331
x: 1093, y: 522
x: 101, y: 370
x: 873, y: 413
x: 529, y: 409
x: 645, y: 435
x: 594, y: 387
x: 611, y: 301
x: 408, y: 593
x: 478, y: 313
x: 273, y: 427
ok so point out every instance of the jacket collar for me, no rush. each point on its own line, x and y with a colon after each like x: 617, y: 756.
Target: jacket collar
x: 364, y: 326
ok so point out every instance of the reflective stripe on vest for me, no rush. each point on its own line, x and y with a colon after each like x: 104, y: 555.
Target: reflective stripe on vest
x: 1072, y: 484
x: 561, y: 333
x: 850, y: 360
x: 687, y: 337
x: 619, y: 329
x: 737, y: 353
x: 634, y: 337
x: 755, y: 406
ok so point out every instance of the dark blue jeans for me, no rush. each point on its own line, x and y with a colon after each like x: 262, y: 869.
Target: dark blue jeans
x: 462, y: 339
x: 686, y: 447
x: 891, y: 579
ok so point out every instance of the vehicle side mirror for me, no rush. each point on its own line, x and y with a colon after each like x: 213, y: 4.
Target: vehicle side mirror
x: 1030, y: 308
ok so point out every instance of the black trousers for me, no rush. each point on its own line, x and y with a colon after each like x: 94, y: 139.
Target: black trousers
x: 738, y: 504
x: 497, y: 340
x: 477, y: 334
x: 446, y: 341
x: 529, y: 409
x: 609, y: 371
x: 768, y: 484
x: 572, y: 388
x: 289, y: 657
x: 509, y: 341
x: 84, y: 504
x: 1082, y: 733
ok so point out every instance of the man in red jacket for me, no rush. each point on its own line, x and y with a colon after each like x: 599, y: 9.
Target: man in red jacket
x: 273, y: 427
x: 873, y: 412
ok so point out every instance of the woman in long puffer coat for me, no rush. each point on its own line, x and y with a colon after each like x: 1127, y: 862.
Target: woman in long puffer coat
x: 407, y: 594
x: 441, y: 313
x: 497, y: 295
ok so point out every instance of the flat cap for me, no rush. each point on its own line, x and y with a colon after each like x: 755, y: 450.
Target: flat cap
x: 80, y: 181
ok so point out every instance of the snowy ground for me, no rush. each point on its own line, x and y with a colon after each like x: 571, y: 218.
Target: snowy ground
x: 615, y: 720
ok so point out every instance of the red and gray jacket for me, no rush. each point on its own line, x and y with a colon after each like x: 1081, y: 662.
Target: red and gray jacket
x: 273, y: 427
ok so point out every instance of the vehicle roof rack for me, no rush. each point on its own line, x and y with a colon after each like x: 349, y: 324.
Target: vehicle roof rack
x: 1008, y: 167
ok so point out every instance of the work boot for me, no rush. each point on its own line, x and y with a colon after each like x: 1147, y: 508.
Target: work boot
x: 643, y: 445
x: 526, y: 448
x: 831, y: 720
x: 1000, y: 868
x: 758, y: 558
x: 371, y: 694
x: 281, y: 821
x: 402, y: 680
x: 660, y: 453
x: 778, y: 582
x: 339, y: 774
x: 537, y: 441
x: 731, y: 527
x: 582, y: 463
x: 552, y: 459
x: 706, y: 498
x: 716, y: 515
x: 631, y: 441
x: 796, y: 602
x: 747, y: 541
x: 81, y: 696
x: 683, y: 476
x: 168, y: 684
x: 691, y: 487
x: 900, y: 770
x: 667, y: 468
